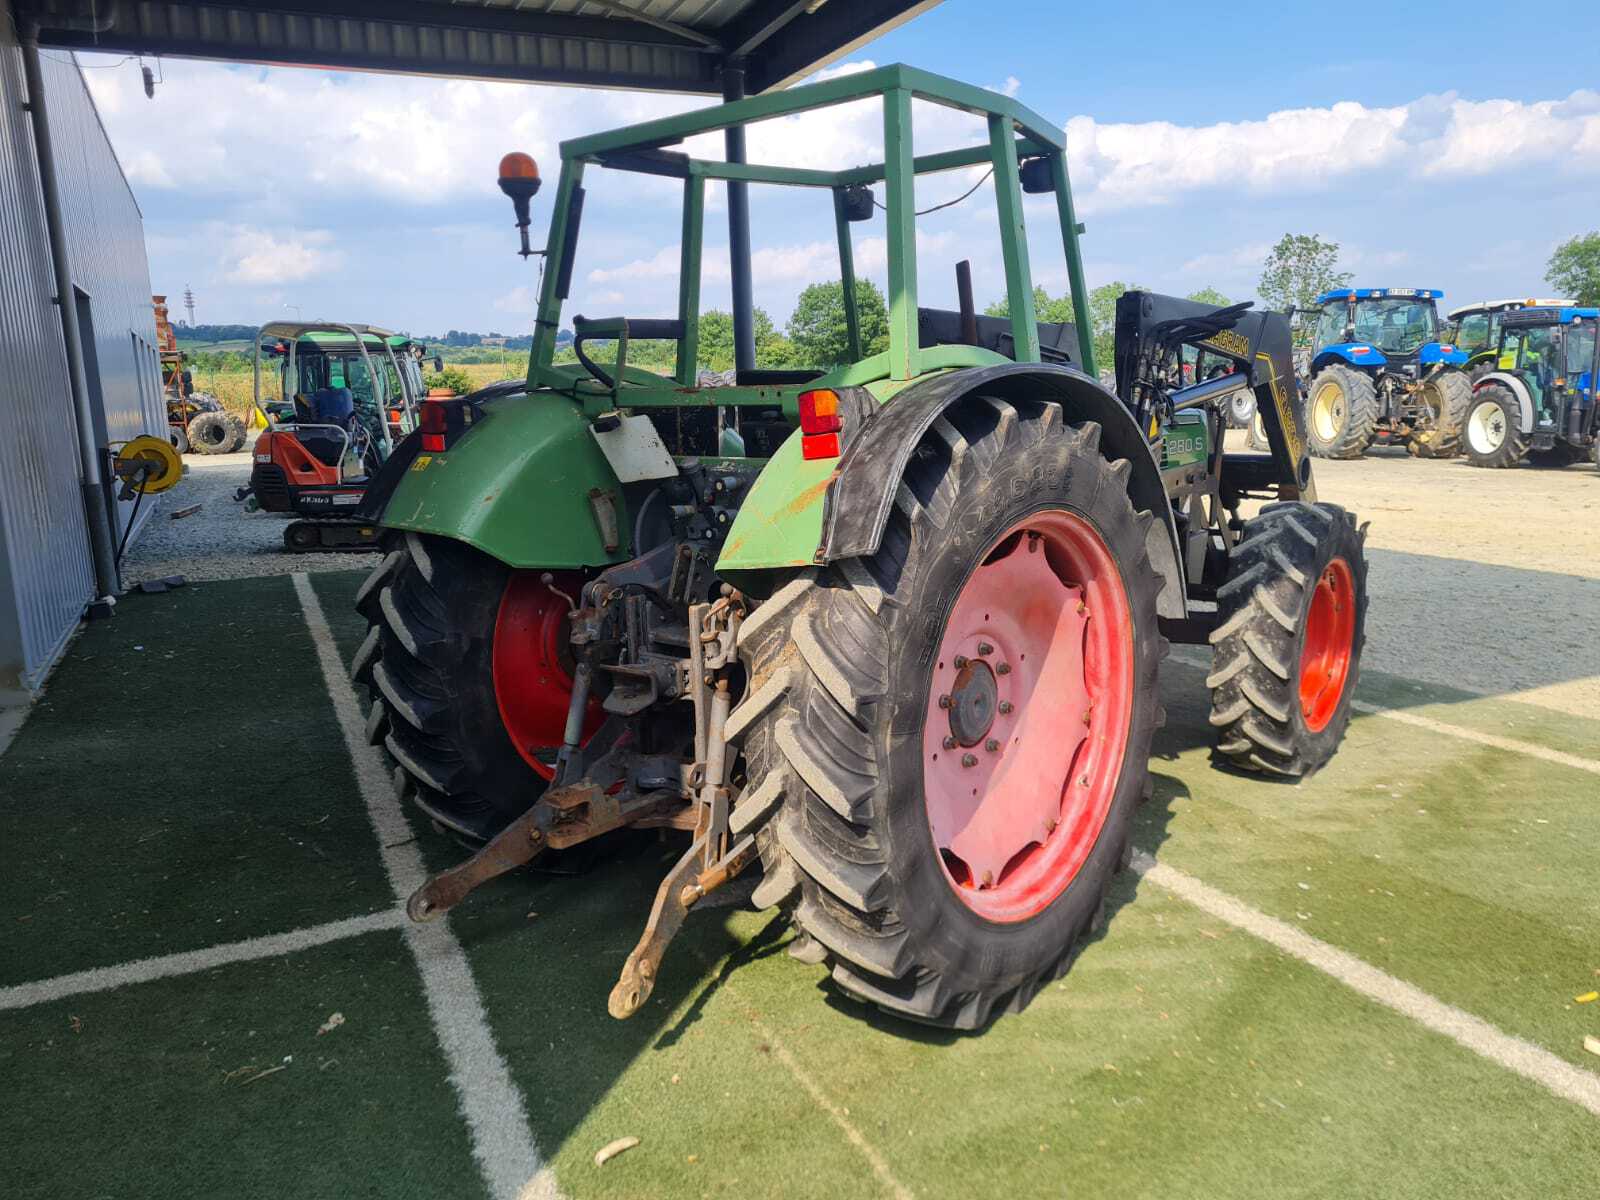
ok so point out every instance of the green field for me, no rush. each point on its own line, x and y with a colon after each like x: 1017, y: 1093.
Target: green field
x: 184, y: 784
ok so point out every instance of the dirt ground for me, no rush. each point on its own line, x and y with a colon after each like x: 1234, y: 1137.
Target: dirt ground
x: 1488, y: 581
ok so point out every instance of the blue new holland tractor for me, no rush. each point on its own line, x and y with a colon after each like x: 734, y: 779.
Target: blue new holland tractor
x: 1381, y: 376
x: 1538, y: 400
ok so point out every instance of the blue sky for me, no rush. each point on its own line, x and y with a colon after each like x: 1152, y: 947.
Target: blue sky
x: 1437, y: 147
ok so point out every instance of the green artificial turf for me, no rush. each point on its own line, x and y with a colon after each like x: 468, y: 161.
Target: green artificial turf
x: 181, y: 783
x: 1179, y: 1058
x: 149, y: 1091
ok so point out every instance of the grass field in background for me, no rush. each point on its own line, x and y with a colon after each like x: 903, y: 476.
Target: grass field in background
x: 1180, y: 1057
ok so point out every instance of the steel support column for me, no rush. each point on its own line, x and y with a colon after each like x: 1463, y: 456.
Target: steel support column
x: 744, y: 317
x: 101, y: 543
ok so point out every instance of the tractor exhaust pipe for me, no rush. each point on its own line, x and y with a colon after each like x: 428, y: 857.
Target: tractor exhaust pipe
x: 964, y: 302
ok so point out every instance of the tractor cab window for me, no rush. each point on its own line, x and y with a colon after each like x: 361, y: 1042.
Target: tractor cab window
x: 1332, y: 321
x: 1396, y: 325
x: 1474, y: 333
x: 1580, y: 349
x: 1529, y: 348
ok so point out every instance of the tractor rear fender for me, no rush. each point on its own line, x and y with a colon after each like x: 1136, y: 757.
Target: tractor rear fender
x: 1356, y: 354
x: 856, y: 504
x: 1518, y: 389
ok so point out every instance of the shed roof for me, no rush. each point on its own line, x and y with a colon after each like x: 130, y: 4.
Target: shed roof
x: 652, y: 45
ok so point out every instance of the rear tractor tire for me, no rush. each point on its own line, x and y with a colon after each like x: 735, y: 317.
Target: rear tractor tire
x: 1449, y: 395
x: 1286, y: 651
x: 1341, y: 413
x: 944, y: 743
x: 1494, y: 436
x: 462, y: 667
x: 211, y: 433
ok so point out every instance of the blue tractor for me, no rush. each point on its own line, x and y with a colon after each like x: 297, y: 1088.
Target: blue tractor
x: 1381, y: 376
x: 1538, y: 401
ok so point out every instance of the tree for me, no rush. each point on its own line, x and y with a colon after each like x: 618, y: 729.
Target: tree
x: 1300, y: 268
x: 817, y: 329
x: 1574, y: 268
x: 1210, y: 295
x: 716, y: 341
x: 1103, y: 320
x: 1057, y: 309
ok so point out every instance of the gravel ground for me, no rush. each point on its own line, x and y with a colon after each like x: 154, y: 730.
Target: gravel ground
x: 1487, y: 581
x: 1482, y: 580
x: 221, y: 541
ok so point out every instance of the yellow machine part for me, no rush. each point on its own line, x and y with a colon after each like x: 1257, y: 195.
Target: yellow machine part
x: 147, y: 449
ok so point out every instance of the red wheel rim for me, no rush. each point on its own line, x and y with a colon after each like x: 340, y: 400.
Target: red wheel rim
x: 1037, y: 662
x: 532, y: 687
x: 1330, y: 642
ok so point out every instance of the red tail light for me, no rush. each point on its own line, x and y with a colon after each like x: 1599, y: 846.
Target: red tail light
x: 435, y: 424
x: 820, y: 423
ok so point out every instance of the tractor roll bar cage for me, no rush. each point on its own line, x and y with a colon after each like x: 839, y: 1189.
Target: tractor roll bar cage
x: 293, y: 331
x: 1016, y: 133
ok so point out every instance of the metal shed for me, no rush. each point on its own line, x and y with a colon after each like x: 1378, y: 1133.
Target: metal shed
x: 46, y: 565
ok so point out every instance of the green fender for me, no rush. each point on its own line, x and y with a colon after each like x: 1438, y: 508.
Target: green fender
x: 520, y: 484
x: 780, y: 522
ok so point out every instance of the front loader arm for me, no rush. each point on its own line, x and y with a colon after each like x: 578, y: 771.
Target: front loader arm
x: 1151, y: 331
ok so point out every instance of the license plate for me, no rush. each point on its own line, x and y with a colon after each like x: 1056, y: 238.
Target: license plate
x: 347, y: 498
x: 263, y: 458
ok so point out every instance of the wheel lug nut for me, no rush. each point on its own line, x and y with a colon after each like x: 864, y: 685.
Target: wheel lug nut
x: 991, y: 745
x: 985, y: 648
x: 1050, y: 824
x: 1005, y: 707
x: 969, y: 760
x: 949, y: 742
x: 1083, y: 609
x: 988, y: 879
x: 960, y: 661
x: 944, y: 701
x: 1003, y: 669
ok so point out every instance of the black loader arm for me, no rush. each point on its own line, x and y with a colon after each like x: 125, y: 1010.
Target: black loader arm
x: 1151, y: 332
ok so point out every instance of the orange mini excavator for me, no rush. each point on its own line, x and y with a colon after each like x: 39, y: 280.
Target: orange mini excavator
x: 350, y: 392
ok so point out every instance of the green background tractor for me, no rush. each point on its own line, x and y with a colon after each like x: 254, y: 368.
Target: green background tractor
x: 1474, y: 329
x: 1538, y: 403
x: 890, y: 631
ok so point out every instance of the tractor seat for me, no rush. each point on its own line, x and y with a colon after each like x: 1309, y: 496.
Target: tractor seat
x: 322, y: 444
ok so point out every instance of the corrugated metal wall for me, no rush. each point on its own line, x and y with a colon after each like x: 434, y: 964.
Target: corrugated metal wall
x: 45, y: 573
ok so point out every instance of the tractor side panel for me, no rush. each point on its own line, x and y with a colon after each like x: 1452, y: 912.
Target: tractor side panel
x: 523, y: 484
x: 780, y: 522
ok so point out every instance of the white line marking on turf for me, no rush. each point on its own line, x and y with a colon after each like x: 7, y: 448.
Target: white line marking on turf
x: 496, y: 1116
x: 1522, y: 1058
x: 820, y: 1098
x: 1514, y: 745
x: 143, y: 970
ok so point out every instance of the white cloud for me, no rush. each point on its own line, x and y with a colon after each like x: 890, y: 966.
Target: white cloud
x: 256, y: 256
x: 1308, y: 149
x: 519, y: 300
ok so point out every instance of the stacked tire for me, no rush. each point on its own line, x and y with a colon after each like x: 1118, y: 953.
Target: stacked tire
x: 215, y: 432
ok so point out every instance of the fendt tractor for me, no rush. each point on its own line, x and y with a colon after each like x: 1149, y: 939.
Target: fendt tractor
x: 1380, y: 375
x: 1539, y: 401
x: 1474, y: 329
x: 888, y: 632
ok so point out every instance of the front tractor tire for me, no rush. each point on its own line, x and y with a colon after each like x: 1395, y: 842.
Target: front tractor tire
x: 1341, y: 412
x: 454, y: 662
x: 1449, y: 396
x: 1286, y: 651
x: 1494, y: 436
x: 944, y: 743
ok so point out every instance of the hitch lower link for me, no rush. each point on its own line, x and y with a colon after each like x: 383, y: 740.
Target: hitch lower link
x: 605, y: 799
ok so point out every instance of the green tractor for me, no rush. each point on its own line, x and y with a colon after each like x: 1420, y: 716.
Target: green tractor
x: 889, y: 632
x: 1474, y: 329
